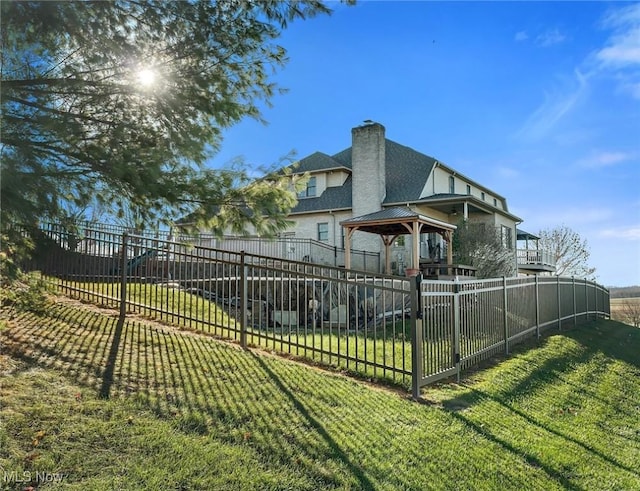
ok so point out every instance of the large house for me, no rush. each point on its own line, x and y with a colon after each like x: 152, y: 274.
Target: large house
x: 377, y: 192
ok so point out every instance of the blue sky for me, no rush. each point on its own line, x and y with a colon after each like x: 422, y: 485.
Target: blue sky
x: 538, y: 101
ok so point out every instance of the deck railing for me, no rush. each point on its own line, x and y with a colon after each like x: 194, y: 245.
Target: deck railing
x: 286, y: 248
x: 535, y: 257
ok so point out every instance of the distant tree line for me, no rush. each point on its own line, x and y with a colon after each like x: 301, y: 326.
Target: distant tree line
x: 625, y: 292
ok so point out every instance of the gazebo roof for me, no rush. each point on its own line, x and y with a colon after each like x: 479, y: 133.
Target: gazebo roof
x: 396, y: 221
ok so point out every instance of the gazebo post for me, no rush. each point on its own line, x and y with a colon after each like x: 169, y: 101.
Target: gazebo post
x: 387, y: 251
x: 415, y: 235
x: 347, y: 247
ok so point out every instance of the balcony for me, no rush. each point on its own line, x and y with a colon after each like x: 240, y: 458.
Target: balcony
x: 533, y: 261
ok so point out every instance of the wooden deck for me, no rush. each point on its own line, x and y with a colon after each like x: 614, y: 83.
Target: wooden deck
x: 439, y: 271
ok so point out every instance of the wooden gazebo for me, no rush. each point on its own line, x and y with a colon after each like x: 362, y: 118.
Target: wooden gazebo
x: 390, y: 224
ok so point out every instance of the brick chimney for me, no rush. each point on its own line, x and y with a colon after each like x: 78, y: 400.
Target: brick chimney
x: 369, y: 181
x: 368, y: 168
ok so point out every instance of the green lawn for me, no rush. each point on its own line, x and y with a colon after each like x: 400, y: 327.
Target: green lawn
x: 385, y: 346
x: 151, y: 407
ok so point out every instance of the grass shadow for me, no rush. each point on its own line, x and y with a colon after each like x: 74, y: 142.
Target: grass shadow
x: 584, y: 353
x: 318, y: 426
x: 107, y: 375
x: 474, y: 396
x: 363, y: 480
x: 531, y: 459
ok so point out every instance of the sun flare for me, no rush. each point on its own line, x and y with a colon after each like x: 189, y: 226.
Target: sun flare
x: 146, y: 77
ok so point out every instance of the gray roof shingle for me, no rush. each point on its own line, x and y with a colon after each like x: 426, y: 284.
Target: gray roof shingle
x: 316, y: 161
x: 407, y: 172
x: 334, y: 198
x: 394, y: 213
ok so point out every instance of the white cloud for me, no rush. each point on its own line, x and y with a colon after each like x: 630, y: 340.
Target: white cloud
x: 622, y: 49
x: 620, y: 55
x: 619, y: 58
x: 550, y: 37
x: 631, y: 233
x: 604, y: 159
x: 622, y: 16
x: 554, y: 108
x: 521, y: 36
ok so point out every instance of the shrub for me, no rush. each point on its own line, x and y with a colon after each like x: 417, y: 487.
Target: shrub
x: 26, y: 292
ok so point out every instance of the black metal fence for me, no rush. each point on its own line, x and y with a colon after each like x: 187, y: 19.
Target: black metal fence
x: 403, y: 330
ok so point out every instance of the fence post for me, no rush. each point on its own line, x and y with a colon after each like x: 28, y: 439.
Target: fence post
x: 455, y: 349
x: 505, y: 317
x: 537, y: 307
x: 586, y: 301
x: 123, y: 278
x: 559, y: 304
x: 575, y: 305
x: 244, y: 303
x: 416, y: 334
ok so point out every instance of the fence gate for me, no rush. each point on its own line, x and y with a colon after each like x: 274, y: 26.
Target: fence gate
x: 437, y: 332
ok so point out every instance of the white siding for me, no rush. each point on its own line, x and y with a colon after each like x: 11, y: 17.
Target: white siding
x: 306, y: 226
x: 336, y: 178
x: 440, y: 181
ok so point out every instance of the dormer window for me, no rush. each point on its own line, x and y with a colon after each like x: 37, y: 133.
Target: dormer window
x: 310, y: 191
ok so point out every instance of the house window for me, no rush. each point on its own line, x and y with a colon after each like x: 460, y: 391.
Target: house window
x: 482, y: 196
x: 506, y: 237
x: 452, y: 185
x: 310, y: 190
x: 323, y: 231
x: 495, y: 202
x: 468, y: 190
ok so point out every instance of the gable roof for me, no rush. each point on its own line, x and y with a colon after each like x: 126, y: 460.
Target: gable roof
x: 333, y: 198
x: 317, y: 161
x: 406, y: 173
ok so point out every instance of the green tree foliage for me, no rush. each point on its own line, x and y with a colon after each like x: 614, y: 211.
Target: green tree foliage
x: 121, y: 103
x: 570, y: 251
x: 480, y: 245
